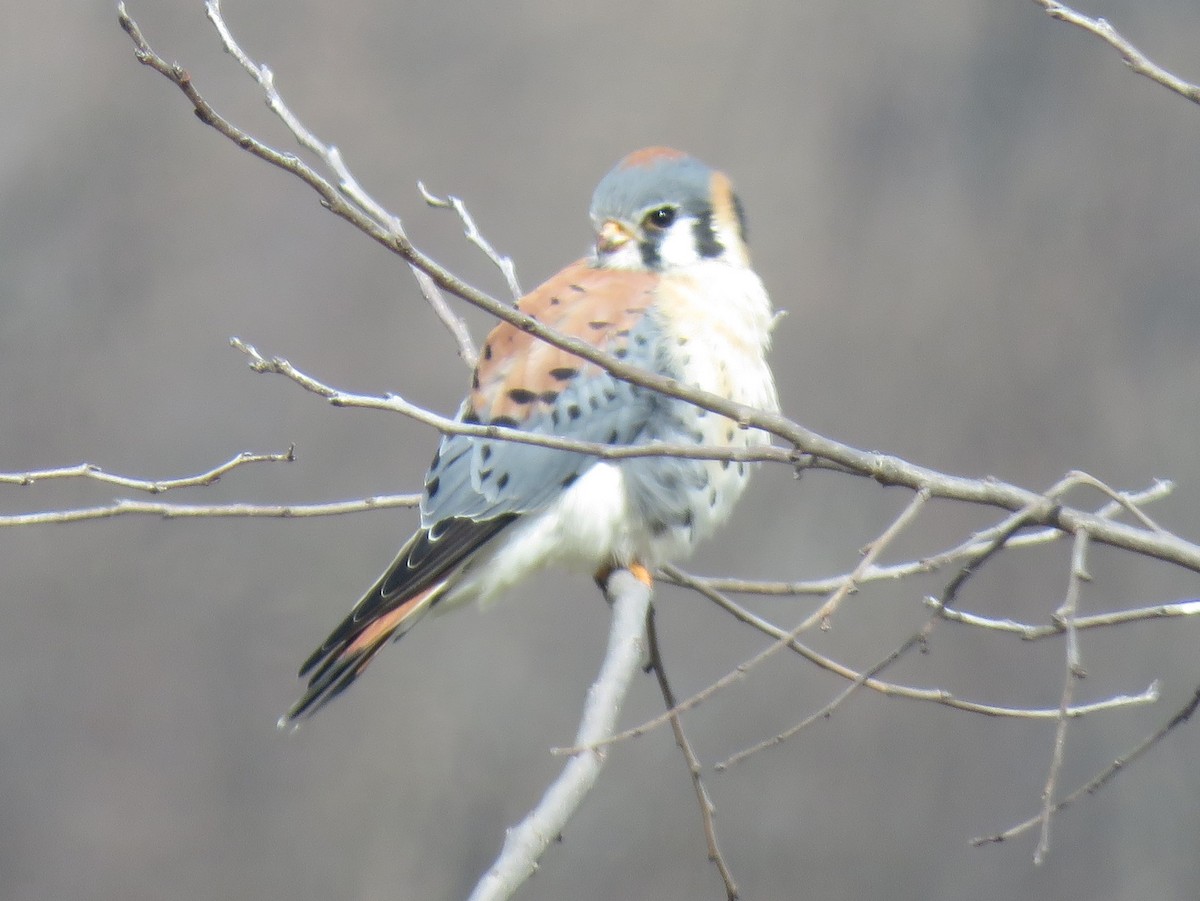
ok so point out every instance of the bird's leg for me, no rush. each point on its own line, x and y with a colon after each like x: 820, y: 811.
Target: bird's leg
x: 637, y: 570
x: 641, y: 574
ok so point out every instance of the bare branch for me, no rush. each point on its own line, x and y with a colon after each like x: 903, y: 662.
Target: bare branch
x: 931, y: 695
x: 974, y: 545
x: 125, y: 507
x: 1103, y: 777
x: 505, y: 264
x: 453, y: 322
x: 346, y: 181
x: 869, y: 554
x: 1096, y: 621
x: 447, y: 426
x: 1074, y: 672
x: 157, y: 486
x: 707, y: 808
x: 820, y: 616
x: 528, y: 840
x: 1134, y: 58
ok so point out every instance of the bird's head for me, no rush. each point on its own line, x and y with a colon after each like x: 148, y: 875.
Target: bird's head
x: 660, y: 209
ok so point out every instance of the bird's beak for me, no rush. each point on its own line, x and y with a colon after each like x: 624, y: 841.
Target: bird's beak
x: 613, y: 234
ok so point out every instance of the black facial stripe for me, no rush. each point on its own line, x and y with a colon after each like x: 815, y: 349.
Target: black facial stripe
x: 707, y: 244
x: 650, y: 255
x: 740, y: 212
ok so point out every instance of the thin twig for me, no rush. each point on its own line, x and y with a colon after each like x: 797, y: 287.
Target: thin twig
x: 861, y: 679
x: 126, y: 507
x: 528, y: 840
x: 155, y: 486
x: 1134, y: 58
x: 1031, y: 632
x: 1102, y: 778
x: 707, y: 808
x: 870, y: 553
x: 974, y: 545
x: 504, y: 263
x: 447, y: 426
x: 1078, y: 477
x: 457, y: 326
x: 347, y: 183
x: 891, y: 689
x: 1074, y: 672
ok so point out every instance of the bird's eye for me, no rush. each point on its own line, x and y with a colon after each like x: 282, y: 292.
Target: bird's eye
x: 660, y: 218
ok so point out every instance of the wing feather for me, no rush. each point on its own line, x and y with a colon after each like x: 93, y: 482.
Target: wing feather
x: 475, y: 487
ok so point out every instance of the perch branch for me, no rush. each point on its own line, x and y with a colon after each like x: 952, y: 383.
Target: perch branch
x: 527, y: 841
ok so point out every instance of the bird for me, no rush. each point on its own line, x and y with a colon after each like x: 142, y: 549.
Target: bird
x: 667, y: 286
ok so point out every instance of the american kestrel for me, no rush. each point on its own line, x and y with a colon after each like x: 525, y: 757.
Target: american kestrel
x: 668, y: 287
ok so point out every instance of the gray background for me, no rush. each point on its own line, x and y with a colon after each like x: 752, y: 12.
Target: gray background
x: 984, y: 229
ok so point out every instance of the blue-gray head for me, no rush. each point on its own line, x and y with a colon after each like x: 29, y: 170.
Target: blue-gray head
x: 661, y: 209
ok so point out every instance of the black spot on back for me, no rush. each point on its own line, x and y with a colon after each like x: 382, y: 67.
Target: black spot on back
x: 564, y: 373
x: 521, y: 395
x: 506, y: 421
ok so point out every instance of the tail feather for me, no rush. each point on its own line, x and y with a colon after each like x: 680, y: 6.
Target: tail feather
x: 343, y: 663
x: 426, y: 567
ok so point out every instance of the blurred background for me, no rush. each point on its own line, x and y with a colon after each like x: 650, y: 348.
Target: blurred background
x: 984, y: 230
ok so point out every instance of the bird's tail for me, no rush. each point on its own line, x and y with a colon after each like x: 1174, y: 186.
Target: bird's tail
x: 345, y: 654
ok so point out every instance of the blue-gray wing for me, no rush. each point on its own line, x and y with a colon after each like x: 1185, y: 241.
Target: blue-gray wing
x: 524, y: 383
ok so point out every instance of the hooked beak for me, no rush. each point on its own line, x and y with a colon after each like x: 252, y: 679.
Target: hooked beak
x: 613, y: 234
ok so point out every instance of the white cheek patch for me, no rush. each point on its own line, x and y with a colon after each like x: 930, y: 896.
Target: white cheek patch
x: 678, y: 245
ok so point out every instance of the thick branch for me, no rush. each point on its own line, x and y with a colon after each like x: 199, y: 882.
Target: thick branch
x: 528, y: 840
